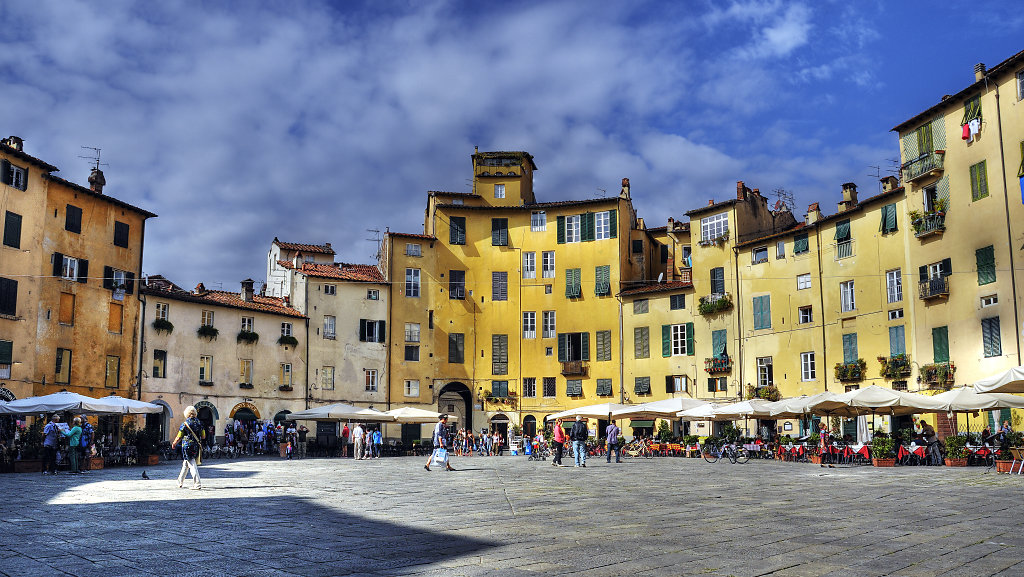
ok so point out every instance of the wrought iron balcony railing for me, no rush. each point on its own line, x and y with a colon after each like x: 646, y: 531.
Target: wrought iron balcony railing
x: 929, y: 163
x: 934, y: 288
x: 717, y: 365
x: 929, y: 224
x: 574, y: 368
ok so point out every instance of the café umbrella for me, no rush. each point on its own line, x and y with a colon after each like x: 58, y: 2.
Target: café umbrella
x: 756, y: 408
x: 1010, y: 381
x: 796, y: 407
x: 340, y: 412
x: 663, y: 409
x: 412, y: 415
x: 702, y: 413
x: 967, y: 399
x: 599, y: 411
x: 133, y: 406
x: 64, y: 401
x: 875, y: 400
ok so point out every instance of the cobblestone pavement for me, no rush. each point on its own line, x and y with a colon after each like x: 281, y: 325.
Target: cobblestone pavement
x: 508, y: 516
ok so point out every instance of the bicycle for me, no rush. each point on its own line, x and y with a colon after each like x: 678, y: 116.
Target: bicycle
x: 638, y: 449
x: 539, y: 452
x: 713, y: 452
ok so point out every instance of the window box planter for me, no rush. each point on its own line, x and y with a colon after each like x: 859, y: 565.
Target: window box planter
x: 1004, y: 466
x: 207, y: 332
x: 285, y: 388
x: 851, y: 371
x: 163, y: 326
x: 883, y: 452
x: 768, y: 393
x: 713, y: 303
x: 574, y: 368
x: 205, y: 383
x: 287, y: 341
x: 814, y: 459
x: 938, y: 375
x: 717, y: 241
x: 717, y: 365
x: 245, y: 385
x: 247, y: 337
x: 895, y: 367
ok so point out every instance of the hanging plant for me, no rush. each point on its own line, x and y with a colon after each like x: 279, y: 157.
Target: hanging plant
x: 208, y: 332
x: 287, y: 340
x: 248, y: 337
x: 163, y: 325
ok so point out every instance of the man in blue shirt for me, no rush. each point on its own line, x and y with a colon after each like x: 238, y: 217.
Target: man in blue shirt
x: 378, y: 440
x: 612, y: 432
x: 440, y: 441
x: 51, y: 433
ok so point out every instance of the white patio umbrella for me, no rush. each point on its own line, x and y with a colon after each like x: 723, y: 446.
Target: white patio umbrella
x: 967, y: 399
x: 600, y: 411
x: 1010, y: 381
x: 62, y: 401
x: 412, y: 415
x: 663, y: 409
x: 701, y: 413
x: 132, y: 406
x: 876, y: 400
x: 340, y: 412
x: 755, y: 408
x: 795, y: 407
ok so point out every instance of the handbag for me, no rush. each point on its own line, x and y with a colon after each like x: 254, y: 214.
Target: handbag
x: 441, y: 456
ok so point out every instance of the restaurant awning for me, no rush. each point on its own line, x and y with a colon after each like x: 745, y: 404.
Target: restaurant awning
x: 637, y: 424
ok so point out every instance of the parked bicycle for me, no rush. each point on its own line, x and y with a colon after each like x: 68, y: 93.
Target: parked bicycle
x: 638, y: 448
x: 732, y: 452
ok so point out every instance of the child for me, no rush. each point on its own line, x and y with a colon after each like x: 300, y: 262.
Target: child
x: 289, y: 450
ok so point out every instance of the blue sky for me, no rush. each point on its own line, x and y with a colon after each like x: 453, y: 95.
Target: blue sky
x: 314, y: 121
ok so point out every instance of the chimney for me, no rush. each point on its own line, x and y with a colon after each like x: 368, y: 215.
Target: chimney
x: 890, y: 183
x: 247, y: 285
x: 741, y: 190
x: 979, y: 71
x: 849, y: 197
x: 670, y: 269
x: 200, y: 289
x: 96, y: 181
x: 625, y: 189
x: 813, y: 214
x: 15, y: 142
x: 711, y: 201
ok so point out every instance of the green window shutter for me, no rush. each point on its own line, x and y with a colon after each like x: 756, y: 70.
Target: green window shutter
x: 991, y: 341
x: 6, y: 352
x: 986, y: 261
x: 604, y: 387
x: 690, y: 348
x: 940, y: 344
x: 766, y: 312
x: 666, y: 340
x: 897, y: 341
x: 585, y: 342
x: 613, y: 219
x: 602, y: 277
x: 563, y: 346
x: 922, y: 273
x: 587, y: 227
x: 850, y: 348
x: 1020, y: 171
x: 718, y: 343
x: 499, y: 232
x: 560, y: 235
x: 641, y: 342
x: 757, y: 312
x: 979, y: 181
x: 888, y: 223
x: 800, y: 244
x: 712, y: 382
x: 843, y: 231
x: 642, y: 385
x: 924, y: 139
x: 457, y: 230
x: 572, y: 283
x: 972, y: 110
x: 947, y: 267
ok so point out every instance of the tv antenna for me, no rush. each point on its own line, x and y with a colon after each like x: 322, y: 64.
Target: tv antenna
x: 377, y: 242
x: 94, y: 157
x: 877, y: 175
x: 604, y: 192
x: 783, y: 200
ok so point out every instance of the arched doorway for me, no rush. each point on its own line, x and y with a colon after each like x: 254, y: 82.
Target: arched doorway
x: 160, y: 422
x: 499, y: 423
x: 456, y: 399
x: 282, y: 416
x: 207, y: 413
x: 529, y: 426
x: 244, y: 412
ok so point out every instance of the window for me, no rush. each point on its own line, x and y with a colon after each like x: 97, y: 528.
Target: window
x: 159, y: 364
x: 307, y: 258
x: 207, y: 318
x: 12, y: 230
x: 499, y: 389
x: 549, y: 386
x: 547, y: 264
x: 372, y: 294
x: 603, y: 280
x: 1020, y: 85
x: 327, y: 378
x: 718, y: 281
x: 117, y: 279
x: 530, y: 387
x: 66, y: 312
x: 986, y: 260
x: 538, y: 221
x: 412, y: 282
x: 412, y: 353
x: 604, y: 345
x: 991, y: 341
x: 161, y: 311
x: 430, y: 319
x: 677, y: 302
x: 73, y: 219
x: 14, y: 175
x: 719, y: 343
x: 717, y: 384
x: 121, y: 234
x: 604, y: 387
x: 940, y: 344
x: 931, y: 198
x: 205, y: 368
x: 412, y: 332
x: 6, y: 358
x: 115, y: 318
x: 457, y: 230
x: 803, y: 281
x: 499, y: 354
x: 850, y: 348
x: 780, y: 249
x: 682, y: 339
x: 979, y: 181
x: 529, y: 265
x: 638, y: 247
x: 573, y: 290
x: 573, y: 347
x: 989, y: 300
x: 412, y: 388
x: 329, y: 326
x: 574, y: 387
x: 63, y: 368
x: 371, y: 379
x: 286, y: 329
x: 765, y: 372
x: 888, y: 223
x: 572, y: 228
x: 844, y: 242
x: 602, y: 224
x: 759, y: 254
x: 641, y: 342
x: 713, y: 227
x: 457, y: 284
x: 972, y: 110
x: 8, y: 297
x: 800, y: 244
x: 499, y: 191
x: 456, y: 348
x: 846, y: 296
x: 69, y: 268
x: 548, y: 324
x: 897, y: 340
x: 663, y: 249
x: 286, y: 374
x: 807, y: 370
x: 247, y: 324
x: 894, y: 285
x: 895, y: 314
x: 762, y: 312
x: 330, y: 289
x: 371, y: 331
x: 640, y: 306
x: 113, y: 372
x: 547, y: 289
x: 529, y: 325
x: 805, y: 315
x: 413, y: 249
x: 499, y: 286
x: 499, y: 232
x: 245, y: 371
x: 676, y: 384
x: 642, y: 385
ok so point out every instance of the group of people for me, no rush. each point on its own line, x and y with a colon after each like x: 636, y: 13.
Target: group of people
x: 257, y: 437
x: 578, y: 435
x: 483, y: 443
x: 367, y: 442
x: 79, y: 437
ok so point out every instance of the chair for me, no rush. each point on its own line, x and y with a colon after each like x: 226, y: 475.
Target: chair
x: 1018, y: 456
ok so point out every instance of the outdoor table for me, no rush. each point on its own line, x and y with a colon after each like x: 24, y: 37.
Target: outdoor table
x: 861, y: 449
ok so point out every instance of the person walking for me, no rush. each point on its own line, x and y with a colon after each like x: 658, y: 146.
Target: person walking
x: 378, y: 442
x: 558, y: 440
x: 357, y: 442
x: 488, y: 442
x: 303, y: 431
x: 344, y: 440
x: 578, y: 436
x: 440, y: 441
x: 51, y: 433
x: 611, y: 433
x: 190, y: 433
x: 74, y: 435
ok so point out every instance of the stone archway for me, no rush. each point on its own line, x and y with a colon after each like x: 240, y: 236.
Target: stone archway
x: 161, y: 422
x: 456, y: 399
x: 529, y: 426
x: 244, y: 412
x: 207, y: 413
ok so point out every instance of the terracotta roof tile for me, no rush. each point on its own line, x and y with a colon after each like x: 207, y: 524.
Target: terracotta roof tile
x: 656, y: 288
x: 27, y: 157
x: 412, y: 235
x: 163, y: 288
x: 302, y: 247
x: 343, y: 271
x: 448, y: 193
x: 88, y: 191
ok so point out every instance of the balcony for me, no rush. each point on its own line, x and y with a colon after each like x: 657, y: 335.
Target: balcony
x: 685, y: 275
x: 574, y: 368
x: 717, y: 365
x: 849, y: 372
x: 895, y: 367
x: 714, y: 302
x: 938, y: 375
x: 929, y: 224
x: 928, y: 164
x: 933, y: 288
x: 844, y: 249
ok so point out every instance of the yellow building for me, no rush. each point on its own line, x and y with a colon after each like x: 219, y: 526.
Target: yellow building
x: 69, y: 304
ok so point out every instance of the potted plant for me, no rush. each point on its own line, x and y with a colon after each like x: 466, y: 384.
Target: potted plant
x: 664, y: 431
x: 285, y: 388
x: 208, y: 332
x: 247, y: 337
x: 163, y: 325
x: 882, y: 452
x: 30, y: 457
x: 956, y: 451
x: 287, y: 341
x: 1004, y: 461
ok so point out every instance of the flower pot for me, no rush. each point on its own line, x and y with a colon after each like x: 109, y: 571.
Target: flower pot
x: 28, y: 466
x: 1004, y: 466
x: 956, y: 462
x: 883, y: 462
x: 93, y: 463
x: 815, y: 459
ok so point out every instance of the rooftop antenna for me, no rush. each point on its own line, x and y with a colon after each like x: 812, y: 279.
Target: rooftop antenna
x: 376, y: 240
x: 783, y: 200
x: 94, y: 157
x: 604, y: 193
x: 877, y: 175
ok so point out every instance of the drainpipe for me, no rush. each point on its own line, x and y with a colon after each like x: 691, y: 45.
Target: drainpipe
x: 387, y: 345
x: 306, y: 310
x: 739, y: 319
x: 821, y: 296
x: 1009, y: 232
x: 142, y: 322
x: 622, y: 373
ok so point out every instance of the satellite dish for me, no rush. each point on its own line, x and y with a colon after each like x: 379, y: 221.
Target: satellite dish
x: 661, y: 275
